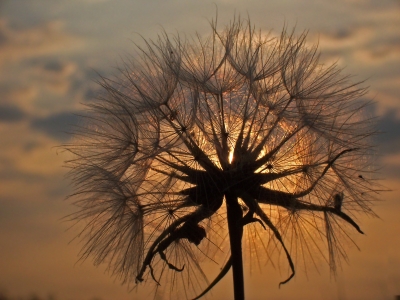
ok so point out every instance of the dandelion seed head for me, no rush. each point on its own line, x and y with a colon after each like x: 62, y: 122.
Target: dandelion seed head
x: 189, y: 124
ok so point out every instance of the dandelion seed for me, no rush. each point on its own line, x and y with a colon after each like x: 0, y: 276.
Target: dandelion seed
x: 199, y: 143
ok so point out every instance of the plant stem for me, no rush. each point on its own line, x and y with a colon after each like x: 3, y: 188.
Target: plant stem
x: 235, y: 214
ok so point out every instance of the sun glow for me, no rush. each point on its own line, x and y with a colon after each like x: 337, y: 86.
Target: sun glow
x: 230, y: 158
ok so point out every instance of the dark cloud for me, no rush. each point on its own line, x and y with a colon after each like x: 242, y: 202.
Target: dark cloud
x: 58, y: 126
x: 29, y: 146
x: 11, y: 113
x: 3, y: 38
x: 93, y: 93
x: 389, y: 138
x: 54, y: 66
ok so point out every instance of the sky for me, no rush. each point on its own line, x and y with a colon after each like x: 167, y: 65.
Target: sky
x: 51, y: 53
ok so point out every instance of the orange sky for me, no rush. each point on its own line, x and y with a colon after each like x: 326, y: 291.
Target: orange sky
x: 49, y: 52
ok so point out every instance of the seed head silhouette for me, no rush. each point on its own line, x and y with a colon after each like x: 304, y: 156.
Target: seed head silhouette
x: 199, y: 145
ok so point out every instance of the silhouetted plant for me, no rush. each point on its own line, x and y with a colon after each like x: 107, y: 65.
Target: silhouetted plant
x: 214, y: 139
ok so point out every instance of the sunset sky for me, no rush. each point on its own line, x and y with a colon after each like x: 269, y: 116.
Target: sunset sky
x: 51, y: 52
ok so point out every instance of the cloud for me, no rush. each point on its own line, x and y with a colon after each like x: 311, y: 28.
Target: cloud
x: 371, y: 38
x: 50, y: 37
x: 58, y: 68
x: 379, y: 53
x: 96, y: 1
x: 10, y: 173
x: 345, y: 37
x: 36, y: 68
x: 389, y: 138
x: 391, y: 166
x: 43, y: 86
x: 57, y: 126
x: 53, y: 75
x: 11, y: 113
x: 13, y: 94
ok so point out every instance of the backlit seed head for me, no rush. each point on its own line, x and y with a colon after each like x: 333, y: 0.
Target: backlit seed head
x: 188, y: 122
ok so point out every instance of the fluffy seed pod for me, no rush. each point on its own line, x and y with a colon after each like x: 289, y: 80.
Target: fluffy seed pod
x: 197, y: 140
